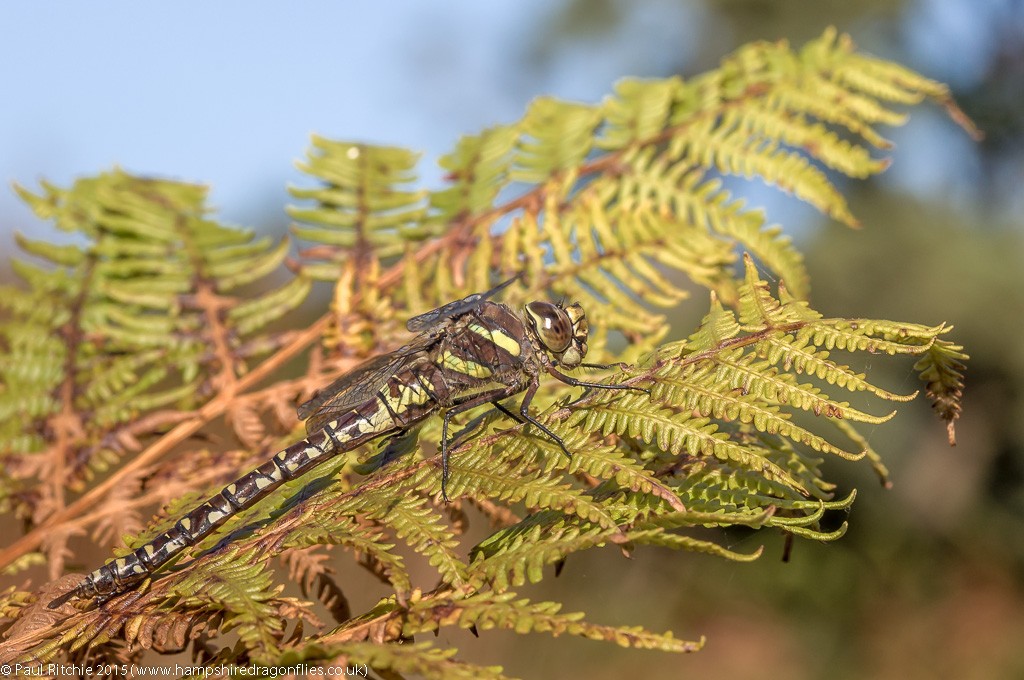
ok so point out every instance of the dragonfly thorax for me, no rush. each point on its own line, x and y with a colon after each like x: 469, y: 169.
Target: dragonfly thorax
x: 561, y: 331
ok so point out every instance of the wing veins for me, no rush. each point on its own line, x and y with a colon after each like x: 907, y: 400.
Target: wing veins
x: 355, y: 387
x: 365, y: 380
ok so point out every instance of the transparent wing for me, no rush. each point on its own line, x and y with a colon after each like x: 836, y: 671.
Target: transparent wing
x: 453, y: 309
x: 355, y: 387
x: 366, y: 379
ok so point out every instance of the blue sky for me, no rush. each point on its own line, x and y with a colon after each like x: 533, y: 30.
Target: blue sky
x: 213, y: 93
x: 225, y: 94
x: 222, y: 94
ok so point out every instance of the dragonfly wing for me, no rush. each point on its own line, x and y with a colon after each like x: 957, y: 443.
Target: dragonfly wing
x: 365, y: 380
x: 453, y: 309
x: 361, y: 374
x: 354, y: 388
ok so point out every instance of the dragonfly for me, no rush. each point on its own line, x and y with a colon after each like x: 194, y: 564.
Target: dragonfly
x: 467, y: 353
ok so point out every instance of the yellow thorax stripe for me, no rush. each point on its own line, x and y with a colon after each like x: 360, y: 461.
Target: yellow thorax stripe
x: 498, y: 337
x: 464, y: 366
x: 408, y: 394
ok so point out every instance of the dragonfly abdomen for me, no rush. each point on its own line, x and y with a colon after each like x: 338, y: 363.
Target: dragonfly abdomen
x: 405, y: 398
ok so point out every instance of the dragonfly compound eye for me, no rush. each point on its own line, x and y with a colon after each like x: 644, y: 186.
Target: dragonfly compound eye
x: 551, y: 324
x: 577, y: 349
x: 580, y: 327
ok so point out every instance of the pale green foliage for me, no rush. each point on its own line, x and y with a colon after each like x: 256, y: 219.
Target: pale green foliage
x: 134, y: 320
x: 361, y: 207
x: 478, y: 168
x: 611, y: 205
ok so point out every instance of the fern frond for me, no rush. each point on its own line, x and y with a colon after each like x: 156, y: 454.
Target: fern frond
x: 664, y: 539
x: 477, y: 170
x: 518, y: 554
x: 503, y: 473
x: 673, y: 432
x: 136, y: 313
x: 557, y: 136
x: 941, y: 368
x: 365, y: 540
x: 612, y: 464
x: 162, y: 631
x: 362, y: 208
x: 138, y: 340
x: 638, y: 111
x: 243, y: 591
x: 395, y: 660
x: 487, y: 611
x: 416, y: 523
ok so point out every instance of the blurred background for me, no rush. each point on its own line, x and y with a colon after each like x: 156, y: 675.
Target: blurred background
x: 929, y: 581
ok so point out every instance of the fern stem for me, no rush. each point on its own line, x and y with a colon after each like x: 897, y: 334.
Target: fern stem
x: 162, y: 446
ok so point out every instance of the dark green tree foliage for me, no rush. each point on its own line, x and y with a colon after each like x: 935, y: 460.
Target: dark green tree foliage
x: 140, y: 338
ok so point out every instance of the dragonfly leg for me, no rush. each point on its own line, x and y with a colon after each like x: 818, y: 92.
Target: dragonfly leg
x: 524, y: 416
x: 444, y: 456
x: 471, y: 427
x: 600, y: 366
x: 511, y: 414
x: 472, y: 402
x: 575, y: 382
x: 527, y: 418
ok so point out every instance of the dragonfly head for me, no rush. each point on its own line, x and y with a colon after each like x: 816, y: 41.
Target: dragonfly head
x: 561, y: 331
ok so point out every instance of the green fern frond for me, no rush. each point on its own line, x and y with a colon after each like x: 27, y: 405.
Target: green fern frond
x: 142, y: 338
x: 487, y: 611
x: 665, y: 539
x: 124, y: 324
x: 243, y: 592
x: 256, y: 313
x: 394, y: 660
x: 713, y: 486
x: 617, y: 467
x: 514, y: 556
x: 362, y: 207
x: 418, y: 525
x: 234, y: 266
x: 557, y: 136
x: 638, y: 112
x: 506, y: 472
x: 673, y: 432
x: 708, y: 206
x: 477, y: 170
x: 722, y: 402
